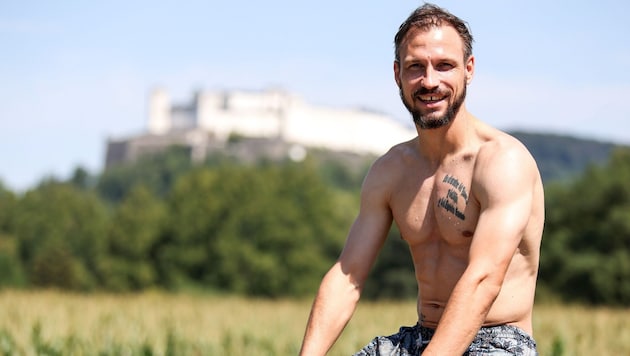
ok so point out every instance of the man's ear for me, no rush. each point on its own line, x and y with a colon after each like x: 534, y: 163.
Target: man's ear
x: 470, y: 69
x: 397, y: 73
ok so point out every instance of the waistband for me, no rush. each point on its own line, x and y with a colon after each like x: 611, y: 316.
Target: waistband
x: 503, y: 331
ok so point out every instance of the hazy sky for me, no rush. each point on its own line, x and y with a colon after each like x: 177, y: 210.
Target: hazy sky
x: 73, y: 73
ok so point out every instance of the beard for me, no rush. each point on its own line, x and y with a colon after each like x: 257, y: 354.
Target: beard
x: 423, y: 121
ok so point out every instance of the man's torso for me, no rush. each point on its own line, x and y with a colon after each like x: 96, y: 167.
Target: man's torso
x: 436, y: 212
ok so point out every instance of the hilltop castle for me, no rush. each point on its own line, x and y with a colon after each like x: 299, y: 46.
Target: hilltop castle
x: 275, y: 122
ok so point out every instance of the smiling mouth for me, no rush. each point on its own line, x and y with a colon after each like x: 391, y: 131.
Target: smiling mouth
x: 430, y: 99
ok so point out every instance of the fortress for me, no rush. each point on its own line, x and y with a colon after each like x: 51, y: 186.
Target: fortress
x: 274, y: 122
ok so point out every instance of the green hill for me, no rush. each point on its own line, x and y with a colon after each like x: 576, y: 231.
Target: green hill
x: 562, y: 157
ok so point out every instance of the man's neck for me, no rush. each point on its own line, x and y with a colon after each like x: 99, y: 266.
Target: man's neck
x: 437, y: 144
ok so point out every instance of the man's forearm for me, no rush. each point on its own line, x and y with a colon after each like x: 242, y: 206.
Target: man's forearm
x: 333, y: 306
x: 464, y: 315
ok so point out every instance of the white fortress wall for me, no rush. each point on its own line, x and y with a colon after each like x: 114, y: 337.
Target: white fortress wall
x: 318, y: 127
x: 273, y: 113
x: 382, y: 132
x: 238, y: 112
x: 255, y: 124
x: 345, y: 129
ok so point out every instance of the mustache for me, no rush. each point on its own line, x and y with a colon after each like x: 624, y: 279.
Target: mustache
x: 425, y: 91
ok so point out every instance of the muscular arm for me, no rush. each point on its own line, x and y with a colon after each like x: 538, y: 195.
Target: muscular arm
x: 341, y: 287
x: 503, y: 183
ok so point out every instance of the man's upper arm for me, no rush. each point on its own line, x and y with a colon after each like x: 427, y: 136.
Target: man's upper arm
x: 370, y: 228
x: 505, y: 192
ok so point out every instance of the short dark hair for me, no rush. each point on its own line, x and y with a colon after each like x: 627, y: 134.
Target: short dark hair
x: 428, y: 16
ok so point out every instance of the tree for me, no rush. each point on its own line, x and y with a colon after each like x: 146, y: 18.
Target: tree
x: 260, y: 230
x: 586, y: 247
x: 81, y: 178
x: 11, y: 268
x: 7, y: 206
x: 133, y: 233
x: 157, y: 172
x: 60, y: 229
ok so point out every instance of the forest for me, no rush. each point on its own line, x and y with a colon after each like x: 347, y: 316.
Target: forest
x: 272, y: 228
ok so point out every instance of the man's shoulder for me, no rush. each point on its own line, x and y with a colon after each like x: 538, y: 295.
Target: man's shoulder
x: 503, y: 158
x: 503, y: 146
x: 399, y: 154
x: 388, y: 168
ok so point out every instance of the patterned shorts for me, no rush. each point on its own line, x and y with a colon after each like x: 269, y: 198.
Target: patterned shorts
x: 491, y: 340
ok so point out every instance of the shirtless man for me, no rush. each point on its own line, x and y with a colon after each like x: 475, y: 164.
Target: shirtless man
x: 466, y: 197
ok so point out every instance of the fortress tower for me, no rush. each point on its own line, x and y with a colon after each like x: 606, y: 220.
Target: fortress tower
x: 159, y: 112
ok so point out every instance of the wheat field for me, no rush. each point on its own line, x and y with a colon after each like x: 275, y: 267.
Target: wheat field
x: 153, y: 323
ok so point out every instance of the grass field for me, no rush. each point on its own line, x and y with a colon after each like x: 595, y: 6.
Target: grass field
x: 55, y: 323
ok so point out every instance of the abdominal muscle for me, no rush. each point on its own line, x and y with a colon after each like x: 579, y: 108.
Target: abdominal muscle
x: 438, y: 274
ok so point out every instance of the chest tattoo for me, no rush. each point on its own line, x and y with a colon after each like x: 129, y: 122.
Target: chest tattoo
x: 450, y: 202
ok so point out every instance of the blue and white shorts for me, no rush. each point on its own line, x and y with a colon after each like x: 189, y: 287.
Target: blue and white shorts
x: 490, y: 340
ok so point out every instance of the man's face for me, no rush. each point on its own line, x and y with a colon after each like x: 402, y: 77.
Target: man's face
x: 432, y: 75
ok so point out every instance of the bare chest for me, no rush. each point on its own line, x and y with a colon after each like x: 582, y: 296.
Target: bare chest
x: 436, y: 208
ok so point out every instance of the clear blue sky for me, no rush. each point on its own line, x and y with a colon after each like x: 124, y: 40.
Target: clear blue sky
x: 74, y: 73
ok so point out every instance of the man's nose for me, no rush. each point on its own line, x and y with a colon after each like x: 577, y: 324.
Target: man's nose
x: 429, y: 80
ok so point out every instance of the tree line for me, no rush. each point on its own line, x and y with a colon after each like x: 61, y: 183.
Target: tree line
x: 272, y: 229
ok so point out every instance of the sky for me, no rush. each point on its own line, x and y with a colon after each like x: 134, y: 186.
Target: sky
x: 74, y: 74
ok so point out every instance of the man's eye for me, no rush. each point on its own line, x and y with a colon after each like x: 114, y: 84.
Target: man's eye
x: 444, y: 66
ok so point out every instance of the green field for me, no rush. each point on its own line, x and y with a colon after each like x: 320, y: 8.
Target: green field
x: 56, y: 323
